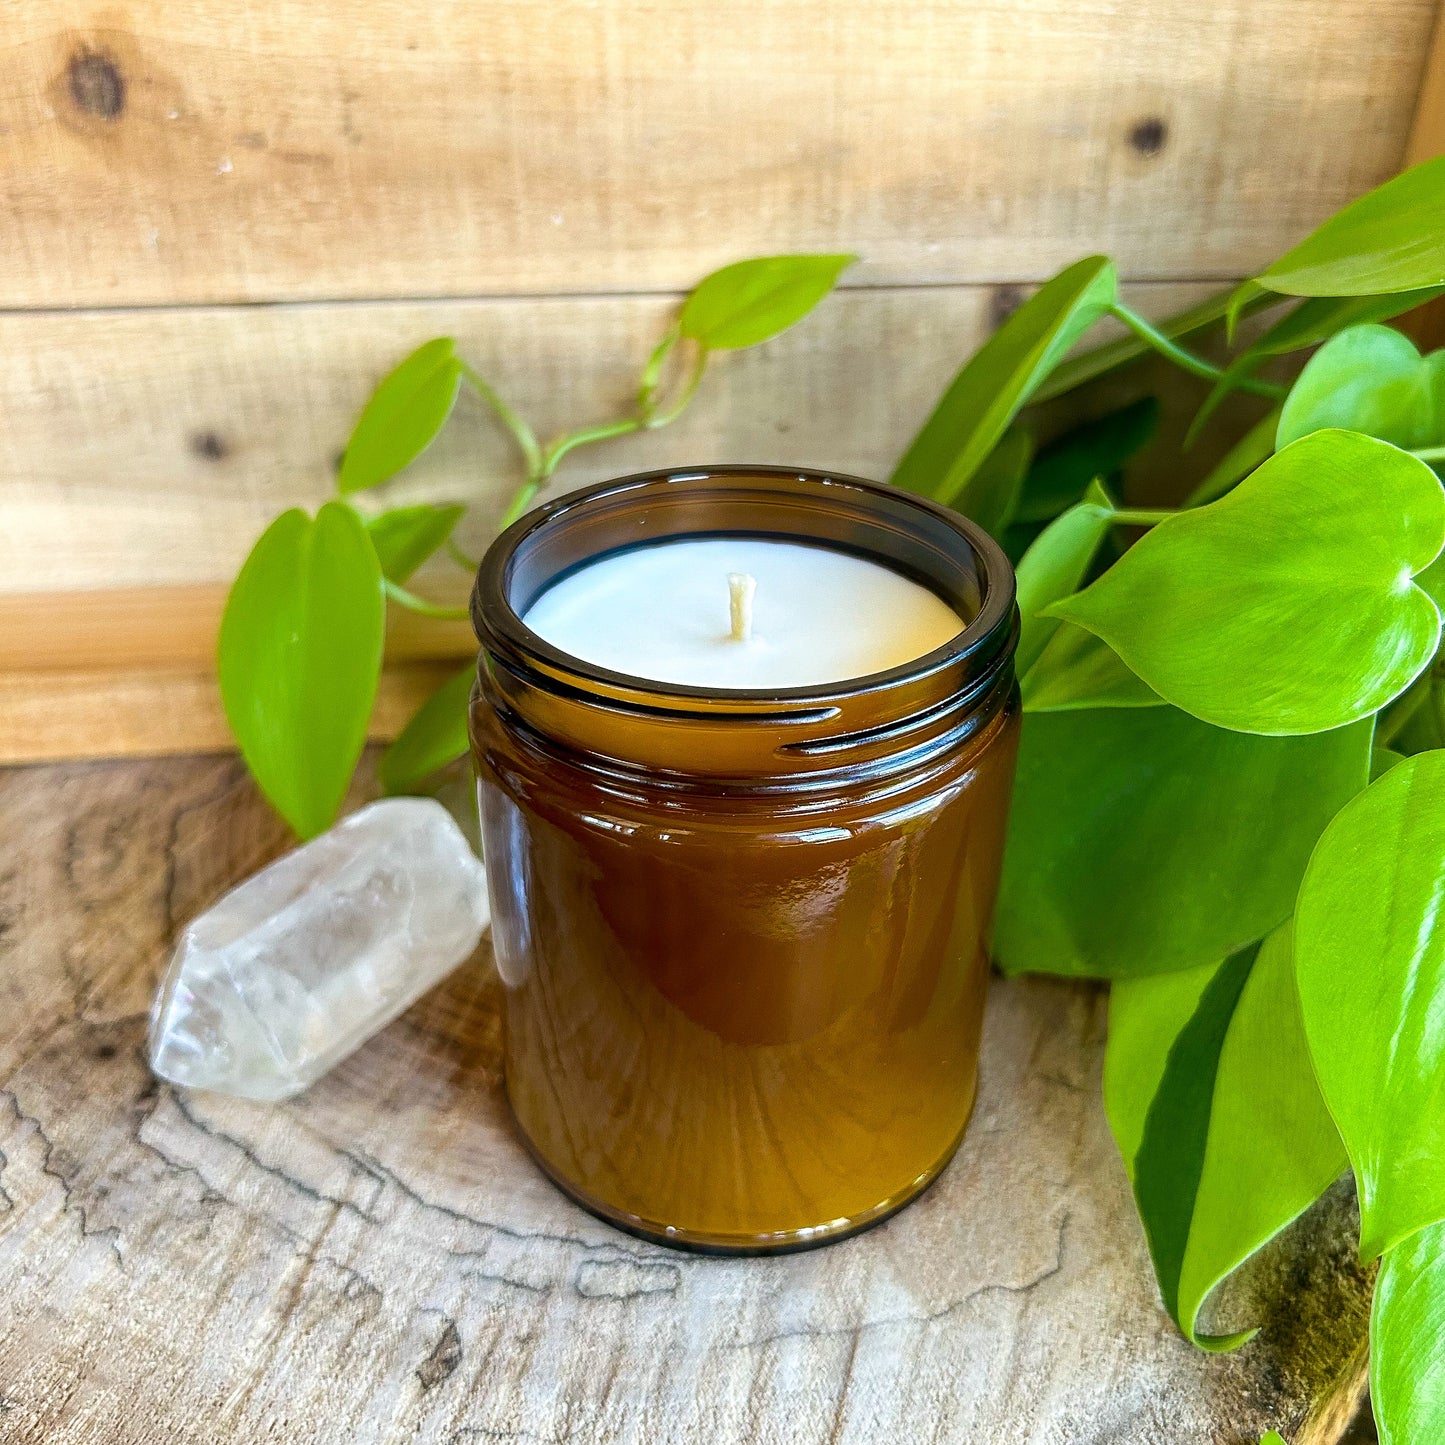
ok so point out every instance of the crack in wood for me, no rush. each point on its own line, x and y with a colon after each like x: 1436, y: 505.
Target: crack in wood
x: 624, y: 1277
x: 641, y: 1252
x: 835, y: 1433
x: 178, y: 1097
x: 69, y: 1205
x: 933, y: 1317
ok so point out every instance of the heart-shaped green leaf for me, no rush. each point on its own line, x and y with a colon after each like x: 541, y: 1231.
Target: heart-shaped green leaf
x: 1077, y: 670
x: 1432, y: 580
x: 990, y: 496
x: 1142, y: 840
x: 1407, y: 1341
x: 1287, y: 605
x: 1054, y: 566
x: 1370, y: 954
x: 1392, y: 239
x: 403, y: 417
x: 1369, y: 379
x: 1095, y: 448
x: 436, y: 736
x: 1210, y: 1093
x: 751, y: 301
x: 299, y: 657
x: 986, y: 395
x: 406, y: 536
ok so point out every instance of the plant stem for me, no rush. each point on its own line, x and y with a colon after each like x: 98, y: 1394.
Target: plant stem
x: 1120, y: 352
x: 665, y: 418
x: 1437, y: 703
x: 1430, y: 454
x: 647, y: 389
x: 547, y: 462
x: 525, y: 437
x: 1150, y: 334
x: 465, y: 562
x: 644, y: 419
x: 1141, y: 516
x: 413, y: 603
x: 603, y: 431
x: 521, y: 499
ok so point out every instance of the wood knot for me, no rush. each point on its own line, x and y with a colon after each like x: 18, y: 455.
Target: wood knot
x: 1003, y: 301
x: 210, y: 445
x: 1148, y: 136
x: 96, y: 84
x: 446, y: 1355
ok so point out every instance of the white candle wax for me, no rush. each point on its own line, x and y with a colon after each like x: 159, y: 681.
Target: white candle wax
x: 668, y: 612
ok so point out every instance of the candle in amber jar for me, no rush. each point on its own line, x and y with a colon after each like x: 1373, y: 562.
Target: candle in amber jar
x: 739, y: 912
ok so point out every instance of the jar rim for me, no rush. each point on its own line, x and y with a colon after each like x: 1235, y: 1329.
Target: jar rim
x: 985, y: 643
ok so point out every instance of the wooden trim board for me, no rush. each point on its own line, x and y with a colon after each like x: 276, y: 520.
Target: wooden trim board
x: 130, y: 672
x: 150, y: 712
x: 138, y: 629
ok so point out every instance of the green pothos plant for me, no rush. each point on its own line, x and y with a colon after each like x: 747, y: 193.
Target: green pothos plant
x: 1231, y: 790
x: 1231, y: 787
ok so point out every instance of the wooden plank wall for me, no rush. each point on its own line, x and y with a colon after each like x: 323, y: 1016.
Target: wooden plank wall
x: 221, y: 223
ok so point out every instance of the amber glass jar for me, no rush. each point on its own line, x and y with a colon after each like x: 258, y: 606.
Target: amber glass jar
x: 741, y: 933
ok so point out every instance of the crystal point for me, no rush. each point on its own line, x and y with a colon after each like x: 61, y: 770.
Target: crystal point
x: 305, y: 961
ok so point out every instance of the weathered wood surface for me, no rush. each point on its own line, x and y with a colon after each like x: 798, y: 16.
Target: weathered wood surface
x: 184, y: 150
x: 378, y: 1261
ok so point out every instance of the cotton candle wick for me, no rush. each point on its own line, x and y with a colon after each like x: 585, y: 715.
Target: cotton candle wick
x: 741, y: 587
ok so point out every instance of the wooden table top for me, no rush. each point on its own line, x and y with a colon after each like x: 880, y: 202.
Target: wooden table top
x: 379, y: 1261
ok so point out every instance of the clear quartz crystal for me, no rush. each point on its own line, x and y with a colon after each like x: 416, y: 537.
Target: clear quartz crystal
x: 301, y: 964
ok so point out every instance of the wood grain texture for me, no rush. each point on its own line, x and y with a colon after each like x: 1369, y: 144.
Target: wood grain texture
x: 148, y: 448
x: 136, y: 629
x: 188, y: 151
x: 131, y: 672
x: 1427, y: 132
x: 378, y: 1260
x: 158, y: 711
